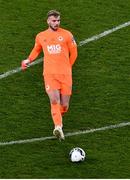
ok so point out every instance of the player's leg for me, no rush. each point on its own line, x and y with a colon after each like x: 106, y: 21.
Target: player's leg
x: 52, y: 87
x: 66, y: 91
x: 54, y: 97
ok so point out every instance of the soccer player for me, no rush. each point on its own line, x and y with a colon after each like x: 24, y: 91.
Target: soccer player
x: 60, y: 53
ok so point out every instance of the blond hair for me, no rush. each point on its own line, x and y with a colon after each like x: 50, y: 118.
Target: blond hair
x: 54, y: 13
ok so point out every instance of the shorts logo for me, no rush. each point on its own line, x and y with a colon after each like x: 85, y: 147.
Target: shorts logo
x: 54, y: 49
x: 47, y: 87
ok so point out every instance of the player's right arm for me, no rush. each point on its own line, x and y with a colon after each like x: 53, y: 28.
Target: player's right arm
x: 33, y: 55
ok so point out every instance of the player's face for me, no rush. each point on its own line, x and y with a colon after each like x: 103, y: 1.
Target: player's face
x: 53, y: 22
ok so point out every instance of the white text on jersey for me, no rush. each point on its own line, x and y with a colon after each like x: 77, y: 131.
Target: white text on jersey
x: 54, y: 49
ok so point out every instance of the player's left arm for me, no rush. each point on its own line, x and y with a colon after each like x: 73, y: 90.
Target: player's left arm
x: 72, y: 49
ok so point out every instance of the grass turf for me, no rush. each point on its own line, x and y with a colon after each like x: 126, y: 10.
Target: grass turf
x: 100, y: 93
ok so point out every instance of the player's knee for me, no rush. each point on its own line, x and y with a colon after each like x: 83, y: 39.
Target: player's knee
x: 54, y: 97
x: 54, y: 100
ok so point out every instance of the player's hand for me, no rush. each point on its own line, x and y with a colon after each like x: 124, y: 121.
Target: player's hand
x: 25, y: 63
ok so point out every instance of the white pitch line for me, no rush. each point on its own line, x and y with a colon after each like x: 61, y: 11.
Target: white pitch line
x: 115, y: 126
x: 18, y: 69
x: 105, y: 33
x: 81, y: 43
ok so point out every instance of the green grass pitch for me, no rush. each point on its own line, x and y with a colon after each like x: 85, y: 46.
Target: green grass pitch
x: 101, y: 92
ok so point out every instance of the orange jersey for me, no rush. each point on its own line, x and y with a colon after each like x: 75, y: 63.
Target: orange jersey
x: 60, y: 51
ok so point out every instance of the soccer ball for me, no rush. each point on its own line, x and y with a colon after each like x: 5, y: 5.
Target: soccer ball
x: 77, y: 155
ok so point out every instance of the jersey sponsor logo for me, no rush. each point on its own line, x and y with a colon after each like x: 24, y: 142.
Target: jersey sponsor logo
x: 54, y: 49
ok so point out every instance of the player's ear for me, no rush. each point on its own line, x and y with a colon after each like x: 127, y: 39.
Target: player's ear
x: 48, y: 21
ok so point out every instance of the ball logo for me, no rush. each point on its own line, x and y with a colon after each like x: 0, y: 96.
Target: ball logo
x: 54, y: 49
